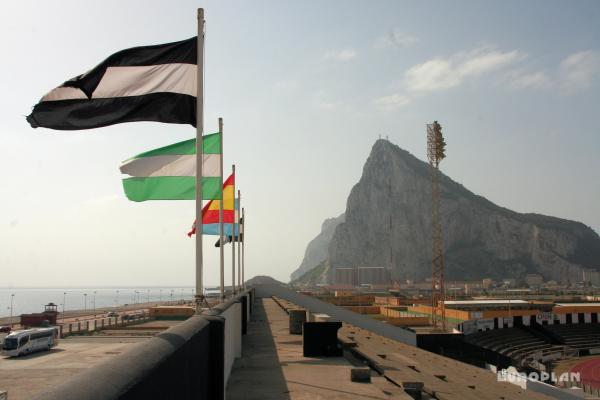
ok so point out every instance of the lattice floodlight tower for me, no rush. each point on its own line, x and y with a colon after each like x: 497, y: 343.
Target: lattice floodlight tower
x: 436, y: 152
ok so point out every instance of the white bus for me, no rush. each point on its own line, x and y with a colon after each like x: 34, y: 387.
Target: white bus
x: 27, y: 341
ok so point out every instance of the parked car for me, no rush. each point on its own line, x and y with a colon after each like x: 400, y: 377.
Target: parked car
x: 112, y: 314
x: 5, y: 328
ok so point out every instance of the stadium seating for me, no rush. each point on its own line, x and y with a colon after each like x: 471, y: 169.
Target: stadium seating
x: 517, y: 343
x: 579, y: 336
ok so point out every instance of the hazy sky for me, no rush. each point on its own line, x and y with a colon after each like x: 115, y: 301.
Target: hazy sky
x: 304, y: 88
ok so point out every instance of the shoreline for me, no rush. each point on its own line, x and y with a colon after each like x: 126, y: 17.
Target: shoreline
x: 70, y: 314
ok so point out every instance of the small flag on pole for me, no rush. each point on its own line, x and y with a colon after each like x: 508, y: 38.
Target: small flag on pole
x: 168, y: 173
x: 210, y: 212
x: 149, y: 83
x: 239, y: 228
x: 229, y: 238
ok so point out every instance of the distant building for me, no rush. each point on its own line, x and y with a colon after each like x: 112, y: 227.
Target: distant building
x: 534, y: 279
x: 416, y: 285
x: 552, y: 285
x: 46, y: 318
x: 362, y: 276
x: 486, y: 283
x: 343, y: 293
x: 510, y: 282
x: 373, y: 276
x: 345, y: 276
x: 591, y: 275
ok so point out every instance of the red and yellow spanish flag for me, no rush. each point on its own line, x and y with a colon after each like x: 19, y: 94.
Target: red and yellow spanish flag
x: 210, y: 212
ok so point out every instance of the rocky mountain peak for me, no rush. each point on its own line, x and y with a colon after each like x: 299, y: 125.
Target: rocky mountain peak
x: 388, y: 223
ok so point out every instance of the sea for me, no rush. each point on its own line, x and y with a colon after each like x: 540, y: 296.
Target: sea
x: 30, y: 300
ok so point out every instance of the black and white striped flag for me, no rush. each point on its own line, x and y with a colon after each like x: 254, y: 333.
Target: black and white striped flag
x: 149, y: 83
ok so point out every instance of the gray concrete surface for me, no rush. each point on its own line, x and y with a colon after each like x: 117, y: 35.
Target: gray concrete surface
x: 273, y: 367
x: 24, y: 377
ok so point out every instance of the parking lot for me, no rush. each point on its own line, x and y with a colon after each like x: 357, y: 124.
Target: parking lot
x: 23, y: 377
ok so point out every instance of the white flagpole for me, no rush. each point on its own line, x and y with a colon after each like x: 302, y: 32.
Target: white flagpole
x: 238, y: 242
x: 242, y: 236
x: 199, y: 156
x: 233, y: 238
x: 221, y: 241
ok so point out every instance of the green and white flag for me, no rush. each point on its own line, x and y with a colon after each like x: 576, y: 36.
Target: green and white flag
x: 169, y: 173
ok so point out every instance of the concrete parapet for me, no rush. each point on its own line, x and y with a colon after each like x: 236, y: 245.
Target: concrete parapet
x: 360, y: 374
x: 413, y: 388
x: 319, y: 339
x: 297, y: 319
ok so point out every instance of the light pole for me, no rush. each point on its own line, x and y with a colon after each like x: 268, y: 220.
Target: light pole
x: 182, y: 295
x: 160, y: 295
x: 148, y: 297
x: 64, y: 305
x: 171, y: 296
x: 12, y: 296
x: 94, y: 303
x: 85, y: 302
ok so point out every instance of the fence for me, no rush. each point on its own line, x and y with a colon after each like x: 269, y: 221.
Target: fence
x: 92, y: 325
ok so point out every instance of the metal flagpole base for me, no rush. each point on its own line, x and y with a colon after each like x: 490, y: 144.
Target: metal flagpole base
x: 201, y: 304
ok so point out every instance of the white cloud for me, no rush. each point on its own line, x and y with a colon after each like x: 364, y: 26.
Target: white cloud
x: 482, y: 61
x: 392, y: 102
x: 579, y: 70
x: 520, y: 79
x: 395, y: 38
x: 341, y: 55
x: 445, y: 73
x: 436, y: 74
x: 576, y: 72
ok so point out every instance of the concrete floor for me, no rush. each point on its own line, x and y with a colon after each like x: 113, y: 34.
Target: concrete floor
x: 406, y: 366
x: 273, y: 367
x: 24, y: 377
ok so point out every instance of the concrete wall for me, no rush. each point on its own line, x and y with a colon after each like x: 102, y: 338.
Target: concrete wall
x: 562, y: 318
x: 233, y: 336
x: 450, y: 313
x: 575, y: 309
